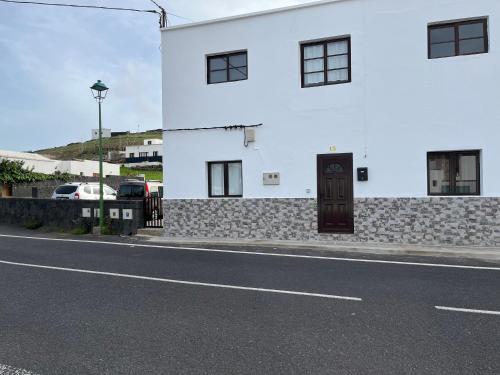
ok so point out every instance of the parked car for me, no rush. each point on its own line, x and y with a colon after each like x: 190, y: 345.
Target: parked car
x: 136, y: 189
x: 142, y: 190
x: 83, y: 190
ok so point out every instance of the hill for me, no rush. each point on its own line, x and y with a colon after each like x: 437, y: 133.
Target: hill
x: 90, y: 149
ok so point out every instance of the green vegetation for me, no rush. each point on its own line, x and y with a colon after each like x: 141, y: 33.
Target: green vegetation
x: 32, y: 224
x: 13, y: 172
x: 150, y: 173
x: 79, y: 231
x: 90, y: 150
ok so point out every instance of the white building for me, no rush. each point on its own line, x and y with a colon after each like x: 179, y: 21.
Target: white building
x: 42, y: 164
x: 106, y: 133
x: 148, y: 154
x: 406, y: 89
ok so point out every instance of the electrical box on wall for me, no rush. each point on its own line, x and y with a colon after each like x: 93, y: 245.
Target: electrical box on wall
x: 362, y: 174
x: 271, y: 178
x: 250, y: 135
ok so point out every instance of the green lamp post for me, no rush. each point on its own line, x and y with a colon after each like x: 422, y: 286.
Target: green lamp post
x: 99, y: 91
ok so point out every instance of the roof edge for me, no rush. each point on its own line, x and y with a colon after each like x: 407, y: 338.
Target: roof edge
x: 252, y: 14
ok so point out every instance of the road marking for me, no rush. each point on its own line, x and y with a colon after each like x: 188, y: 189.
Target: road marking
x: 9, y: 370
x: 487, y: 312
x: 330, y: 296
x: 259, y: 253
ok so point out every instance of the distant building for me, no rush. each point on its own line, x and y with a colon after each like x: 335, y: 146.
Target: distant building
x: 42, y: 164
x: 148, y: 154
x: 106, y: 133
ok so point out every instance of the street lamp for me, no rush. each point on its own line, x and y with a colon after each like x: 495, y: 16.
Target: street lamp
x: 99, y: 91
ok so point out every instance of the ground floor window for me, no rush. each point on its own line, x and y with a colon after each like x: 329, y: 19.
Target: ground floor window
x: 225, y: 179
x: 453, y: 173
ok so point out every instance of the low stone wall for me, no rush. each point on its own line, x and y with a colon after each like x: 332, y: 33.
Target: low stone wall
x: 44, y: 189
x: 68, y: 214
x: 431, y: 221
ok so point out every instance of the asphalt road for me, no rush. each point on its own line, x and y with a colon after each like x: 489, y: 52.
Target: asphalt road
x: 72, y: 307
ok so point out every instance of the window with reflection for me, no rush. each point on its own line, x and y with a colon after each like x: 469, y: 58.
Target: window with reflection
x: 458, y: 38
x: 453, y: 173
x: 227, y: 67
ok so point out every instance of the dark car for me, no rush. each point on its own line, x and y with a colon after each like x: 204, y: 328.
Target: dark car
x: 151, y: 192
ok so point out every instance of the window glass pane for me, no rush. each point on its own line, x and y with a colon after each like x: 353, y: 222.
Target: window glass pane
x: 96, y: 191
x: 311, y: 52
x: 338, y: 75
x: 217, y: 175
x: 218, y: 76
x: 466, y: 182
x: 314, y: 65
x: 472, y: 30
x: 472, y: 46
x: 337, y: 62
x: 443, y: 50
x: 313, y: 78
x: 235, y: 179
x: 443, y: 34
x: 236, y: 74
x: 439, y: 174
x: 87, y: 190
x: 217, y: 63
x: 337, y: 48
x: 66, y: 189
x: 238, y: 60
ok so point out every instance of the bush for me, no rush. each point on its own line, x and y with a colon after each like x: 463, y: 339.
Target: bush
x: 79, y: 231
x: 33, y: 224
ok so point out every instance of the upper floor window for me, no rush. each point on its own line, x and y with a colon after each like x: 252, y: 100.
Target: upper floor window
x: 458, y: 38
x: 453, y: 173
x: 227, y: 67
x: 327, y: 62
x: 155, y: 153
x: 143, y: 154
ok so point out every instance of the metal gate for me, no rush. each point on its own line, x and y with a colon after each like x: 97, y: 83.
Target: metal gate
x: 153, y: 212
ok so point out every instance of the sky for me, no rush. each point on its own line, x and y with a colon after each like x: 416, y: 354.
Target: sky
x: 50, y: 56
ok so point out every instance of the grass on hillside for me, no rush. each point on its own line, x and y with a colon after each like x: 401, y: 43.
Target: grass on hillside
x: 90, y: 150
x: 155, y: 174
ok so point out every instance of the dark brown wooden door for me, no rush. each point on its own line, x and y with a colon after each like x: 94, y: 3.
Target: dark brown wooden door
x: 335, y: 193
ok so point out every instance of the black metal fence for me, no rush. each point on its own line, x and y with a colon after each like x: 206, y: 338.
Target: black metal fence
x: 153, y: 212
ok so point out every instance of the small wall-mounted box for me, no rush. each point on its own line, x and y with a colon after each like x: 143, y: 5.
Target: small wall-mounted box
x: 271, y: 178
x: 362, y: 174
x: 250, y: 135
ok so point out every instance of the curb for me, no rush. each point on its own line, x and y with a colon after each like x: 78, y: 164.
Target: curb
x: 476, y: 253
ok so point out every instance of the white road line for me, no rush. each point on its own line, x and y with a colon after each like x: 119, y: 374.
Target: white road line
x: 261, y: 253
x: 182, y: 281
x: 9, y: 370
x: 474, y: 311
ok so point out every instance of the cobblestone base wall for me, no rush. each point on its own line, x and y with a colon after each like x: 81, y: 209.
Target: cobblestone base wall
x: 433, y: 221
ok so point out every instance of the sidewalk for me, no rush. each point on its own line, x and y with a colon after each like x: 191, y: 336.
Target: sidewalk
x: 466, y: 252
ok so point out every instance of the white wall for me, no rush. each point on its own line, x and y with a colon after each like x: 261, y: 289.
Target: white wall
x: 146, y: 148
x: 106, y: 133
x: 399, y: 105
x: 87, y: 168
x: 153, y: 141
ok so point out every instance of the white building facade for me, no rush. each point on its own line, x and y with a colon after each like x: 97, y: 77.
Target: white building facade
x: 41, y: 164
x: 106, y: 133
x: 379, y: 121
x: 148, y: 154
